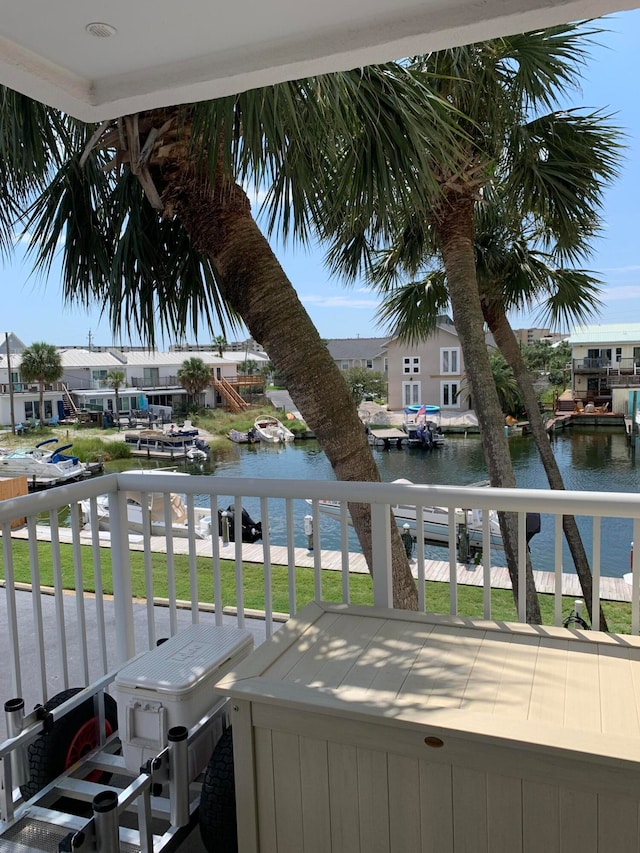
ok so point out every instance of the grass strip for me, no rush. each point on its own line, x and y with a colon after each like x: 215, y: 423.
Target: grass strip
x: 470, y: 599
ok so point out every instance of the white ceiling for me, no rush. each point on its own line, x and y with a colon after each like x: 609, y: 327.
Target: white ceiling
x: 174, y: 51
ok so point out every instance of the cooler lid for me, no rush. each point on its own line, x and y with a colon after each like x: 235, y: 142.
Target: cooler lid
x: 181, y: 662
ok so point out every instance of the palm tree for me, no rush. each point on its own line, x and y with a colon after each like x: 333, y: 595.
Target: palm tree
x: 156, y: 224
x: 511, y: 273
x: 500, y: 89
x: 194, y: 376
x: 220, y: 342
x: 41, y: 363
x: 115, y: 379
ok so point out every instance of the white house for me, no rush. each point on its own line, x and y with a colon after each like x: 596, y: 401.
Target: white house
x: 605, y: 364
x: 150, y: 379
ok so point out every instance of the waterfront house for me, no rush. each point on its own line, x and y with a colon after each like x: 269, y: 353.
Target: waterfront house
x: 431, y: 371
x: 150, y: 380
x: 605, y: 365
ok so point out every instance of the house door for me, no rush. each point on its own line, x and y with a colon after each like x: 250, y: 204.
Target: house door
x: 411, y: 393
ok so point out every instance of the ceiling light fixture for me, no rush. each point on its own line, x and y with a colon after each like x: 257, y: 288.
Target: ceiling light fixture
x: 101, y: 30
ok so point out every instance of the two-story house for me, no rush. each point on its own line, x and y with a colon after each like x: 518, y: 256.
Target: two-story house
x: 429, y: 372
x: 605, y: 364
x: 150, y: 380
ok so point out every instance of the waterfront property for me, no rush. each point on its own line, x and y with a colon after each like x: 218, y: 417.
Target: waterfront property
x: 605, y: 366
x: 150, y: 385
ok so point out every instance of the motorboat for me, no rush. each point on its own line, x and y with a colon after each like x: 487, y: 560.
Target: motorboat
x: 46, y: 462
x: 248, y: 437
x: 427, y: 434
x: 152, y: 505
x: 435, y: 521
x: 272, y: 431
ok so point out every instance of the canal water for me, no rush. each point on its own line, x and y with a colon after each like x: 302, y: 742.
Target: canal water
x: 589, y: 459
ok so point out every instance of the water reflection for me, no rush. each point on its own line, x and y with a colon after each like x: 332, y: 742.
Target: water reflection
x: 589, y: 460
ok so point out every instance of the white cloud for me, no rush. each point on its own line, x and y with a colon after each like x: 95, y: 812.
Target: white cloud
x: 324, y: 301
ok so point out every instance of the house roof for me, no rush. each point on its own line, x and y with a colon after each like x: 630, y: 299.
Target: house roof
x: 350, y: 348
x: 99, y: 61
x: 606, y: 333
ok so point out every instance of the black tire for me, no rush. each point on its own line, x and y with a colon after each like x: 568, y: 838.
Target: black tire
x: 68, y: 739
x: 218, y: 800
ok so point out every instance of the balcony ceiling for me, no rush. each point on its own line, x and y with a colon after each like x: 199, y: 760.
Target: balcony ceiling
x: 164, y: 52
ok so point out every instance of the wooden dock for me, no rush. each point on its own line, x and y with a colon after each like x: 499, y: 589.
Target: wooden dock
x: 611, y: 589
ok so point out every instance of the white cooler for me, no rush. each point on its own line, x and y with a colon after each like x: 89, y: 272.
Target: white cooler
x: 173, y: 685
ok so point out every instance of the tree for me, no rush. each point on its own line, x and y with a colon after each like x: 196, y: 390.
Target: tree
x: 500, y: 89
x: 115, y: 379
x: 220, y: 342
x: 506, y: 384
x: 511, y: 272
x: 41, y: 363
x: 157, y: 227
x: 194, y: 376
x: 363, y: 382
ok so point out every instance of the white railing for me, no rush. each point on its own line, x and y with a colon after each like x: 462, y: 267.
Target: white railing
x: 73, y: 637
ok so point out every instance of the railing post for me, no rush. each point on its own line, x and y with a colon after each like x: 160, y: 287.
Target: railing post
x: 381, y: 555
x: 121, y: 571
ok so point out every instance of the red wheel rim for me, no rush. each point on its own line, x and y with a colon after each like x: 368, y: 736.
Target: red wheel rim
x: 84, y: 740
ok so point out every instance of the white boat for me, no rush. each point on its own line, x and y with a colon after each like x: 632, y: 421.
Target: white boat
x: 46, y: 462
x: 272, y: 431
x: 152, y: 505
x: 435, y: 521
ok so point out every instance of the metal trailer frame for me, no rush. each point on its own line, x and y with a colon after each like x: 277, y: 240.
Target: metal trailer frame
x: 148, y: 813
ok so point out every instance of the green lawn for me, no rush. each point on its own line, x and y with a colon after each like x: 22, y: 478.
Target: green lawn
x: 469, y: 598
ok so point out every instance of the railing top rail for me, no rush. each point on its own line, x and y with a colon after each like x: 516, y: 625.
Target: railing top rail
x: 616, y: 504
x: 613, y: 504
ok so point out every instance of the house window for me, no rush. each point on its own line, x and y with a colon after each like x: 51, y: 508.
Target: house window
x: 598, y: 357
x: 636, y: 356
x: 450, y: 360
x: 618, y: 354
x: 411, y: 364
x: 29, y: 408
x: 344, y: 365
x: 411, y: 393
x: 449, y: 394
x: 151, y: 375
x: 99, y: 378
x: 369, y: 364
x: 386, y: 365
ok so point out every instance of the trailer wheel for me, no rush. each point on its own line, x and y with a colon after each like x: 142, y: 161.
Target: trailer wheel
x: 218, y: 800
x: 67, y: 741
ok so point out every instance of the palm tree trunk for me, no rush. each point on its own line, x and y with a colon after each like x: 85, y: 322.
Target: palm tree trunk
x: 508, y: 345
x: 41, y: 412
x: 454, y: 227
x: 252, y: 283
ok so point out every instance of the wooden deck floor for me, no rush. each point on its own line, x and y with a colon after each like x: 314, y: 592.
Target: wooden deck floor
x: 611, y: 589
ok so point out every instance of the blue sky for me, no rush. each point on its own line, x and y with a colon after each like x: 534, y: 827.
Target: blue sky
x: 33, y: 308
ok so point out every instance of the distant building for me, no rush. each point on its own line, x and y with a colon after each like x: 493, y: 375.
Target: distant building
x: 248, y: 346
x: 431, y: 371
x: 528, y: 336
x: 150, y: 379
x: 359, y: 352
x: 605, y: 364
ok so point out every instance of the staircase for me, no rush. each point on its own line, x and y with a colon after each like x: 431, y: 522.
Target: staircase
x: 68, y: 406
x: 235, y: 403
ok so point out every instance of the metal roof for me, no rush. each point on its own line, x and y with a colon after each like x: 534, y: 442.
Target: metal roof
x: 606, y: 333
